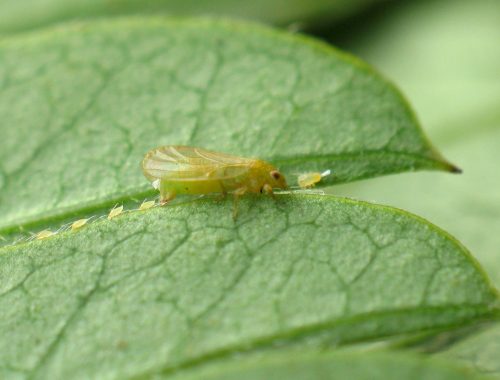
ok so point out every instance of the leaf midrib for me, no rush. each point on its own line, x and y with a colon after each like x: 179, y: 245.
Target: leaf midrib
x: 92, y: 208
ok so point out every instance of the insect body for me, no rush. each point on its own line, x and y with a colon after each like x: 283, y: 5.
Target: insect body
x: 146, y: 205
x: 44, y: 234
x: 114, y: 212
x: 188, y: 170
x: 78, y: 224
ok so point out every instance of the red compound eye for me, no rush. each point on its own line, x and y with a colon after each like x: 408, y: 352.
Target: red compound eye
x: 275, y: 174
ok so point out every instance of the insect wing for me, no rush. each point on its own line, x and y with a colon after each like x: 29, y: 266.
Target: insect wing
x: 188, y: 163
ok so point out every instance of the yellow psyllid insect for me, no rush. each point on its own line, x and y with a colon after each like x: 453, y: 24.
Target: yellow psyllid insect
x: 78, y: 224
x: 44, y: 234
x: 115, y: 211
x: 308, y: 180
x: 187, y: 170
x: 146, y: 205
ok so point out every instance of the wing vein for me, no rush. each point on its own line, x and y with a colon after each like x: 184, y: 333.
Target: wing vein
x: 184, y: 163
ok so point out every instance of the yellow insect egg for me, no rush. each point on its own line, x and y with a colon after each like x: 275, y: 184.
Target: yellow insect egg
x: 308, y: 180
x: 44, y: 234
x: 146, y: 205
x: 78, y: 224
x: 178, y: 169
x: 115, y: 211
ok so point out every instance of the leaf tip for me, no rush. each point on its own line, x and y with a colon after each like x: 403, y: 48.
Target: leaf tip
x: 448, y: 166
x: 454, y: 169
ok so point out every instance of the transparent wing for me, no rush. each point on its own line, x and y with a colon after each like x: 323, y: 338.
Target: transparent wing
x: 189, y: 163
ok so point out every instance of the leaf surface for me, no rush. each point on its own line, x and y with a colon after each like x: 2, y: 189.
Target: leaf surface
x: 176, y: 286
x: 82, y: 104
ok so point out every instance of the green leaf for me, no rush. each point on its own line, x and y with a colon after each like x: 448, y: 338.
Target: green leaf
x: 83, y: 103
x: 17, y: 16
x: 176, y: 286
x: 328, y: 365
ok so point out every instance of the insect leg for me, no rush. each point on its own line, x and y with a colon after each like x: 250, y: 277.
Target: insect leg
x: 223, y: 190
x: 237, y: 194
x: 267, y: 189
x: 166, y: 194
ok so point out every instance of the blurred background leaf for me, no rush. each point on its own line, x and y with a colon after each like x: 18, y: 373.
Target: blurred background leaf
x: 18, y: 15
x: 445, y: 55
x: 479, y: 351
x: 307, y: 365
